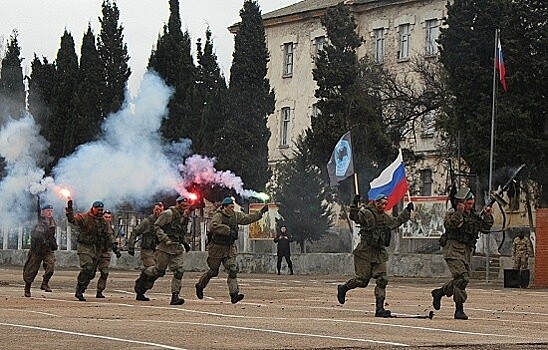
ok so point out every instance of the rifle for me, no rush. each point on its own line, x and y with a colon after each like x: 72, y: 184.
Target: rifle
x: 38, y: 209
x: 496, y: 196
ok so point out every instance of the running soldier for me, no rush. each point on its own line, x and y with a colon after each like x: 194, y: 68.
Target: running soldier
x: 42, y: 248
x: 462, y: 227
x: 223, y: 230
x: 145, y: 230
x: 370, y: 255
x: 92, y: 226
x: 106, y: 245
x: 170, y: 229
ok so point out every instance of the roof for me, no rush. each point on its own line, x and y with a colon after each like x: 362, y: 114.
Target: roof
x: 308, y: 5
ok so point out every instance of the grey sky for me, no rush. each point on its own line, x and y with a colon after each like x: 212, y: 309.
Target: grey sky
x: 41, y: 23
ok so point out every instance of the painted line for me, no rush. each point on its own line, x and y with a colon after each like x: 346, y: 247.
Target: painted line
x: 34, y: 312
x: 511, y: 312
x: 280, y: 332
x: 90, y: 335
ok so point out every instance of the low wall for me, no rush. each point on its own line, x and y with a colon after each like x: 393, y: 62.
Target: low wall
x: 401, y: 265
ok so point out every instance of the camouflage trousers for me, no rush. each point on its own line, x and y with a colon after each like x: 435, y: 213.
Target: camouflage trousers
x: 32, y: 265
x: 521, y: 262
x: 163, y: 261
x: 460, y: 270
x: 147, y: 257
x: 102, y: 266
x: 88, y: 264
x: 230, y: 267
x: 365, y: 270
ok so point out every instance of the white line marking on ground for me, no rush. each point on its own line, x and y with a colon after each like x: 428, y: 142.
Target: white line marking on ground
x: 281, y: 332
x: 90, y: 335
x: 34, y: 312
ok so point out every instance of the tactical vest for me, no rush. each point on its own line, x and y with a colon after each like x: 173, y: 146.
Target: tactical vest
x: 468, y: 232
x: 380, y: 235
x: 230, y: 221
x: 176, y: 229
x: 93, y: 231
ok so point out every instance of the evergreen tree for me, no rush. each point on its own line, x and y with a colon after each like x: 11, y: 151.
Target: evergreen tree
x: 211, y: 92
x: 40, y: 95
x: 88, y: 114
x: 349, y: 99
x: 12, y: 89
x: 58, y: 126
x: 468, y: 56
x: 173, y: 61
x: 242, y: 144
x: 114, y: 57
x: 300, y: 193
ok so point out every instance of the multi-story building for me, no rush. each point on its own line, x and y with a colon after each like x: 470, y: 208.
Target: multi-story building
x: 394, y: 32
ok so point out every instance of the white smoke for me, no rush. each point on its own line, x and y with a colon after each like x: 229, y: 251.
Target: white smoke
x: 20, y: 146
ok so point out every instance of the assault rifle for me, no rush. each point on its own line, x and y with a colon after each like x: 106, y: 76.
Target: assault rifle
x: 496, y: 196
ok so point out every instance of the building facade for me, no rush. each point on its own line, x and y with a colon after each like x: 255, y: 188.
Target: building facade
x: 394, y: 32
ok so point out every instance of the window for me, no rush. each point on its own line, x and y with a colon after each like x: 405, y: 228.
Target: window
x: 426, y: 179
x: 318, y: 46
x: 432, y: 34
x: 428, y: 124
x: 379, y: 45
x: 405, y: 37
x: 288, y: 59
x: 286, y: 119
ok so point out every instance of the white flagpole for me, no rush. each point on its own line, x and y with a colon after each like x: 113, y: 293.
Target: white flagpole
x: 492, y: 146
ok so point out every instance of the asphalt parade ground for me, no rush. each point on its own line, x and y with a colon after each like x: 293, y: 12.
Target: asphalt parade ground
x: 278, y: 312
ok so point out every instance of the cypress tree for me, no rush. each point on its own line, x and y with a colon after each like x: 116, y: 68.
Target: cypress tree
x: 88, y: 114
x: 173, y: 61
x: 41, y: 82
x: 114, y: 57
x: 12, y: 89
x: 59, y: 125
x: 242, y: 143
x: 211, y: 92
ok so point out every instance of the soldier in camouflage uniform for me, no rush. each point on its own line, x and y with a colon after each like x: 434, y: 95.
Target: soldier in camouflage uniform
x: 521, y: 250
x: 223, y: 230
x: 171, y: 231
x: 148, y: 238
x: 92, y: 227
x: 105, y: 246
x: 370, y: 255
x: 462, y: 226
x: 42, y: 247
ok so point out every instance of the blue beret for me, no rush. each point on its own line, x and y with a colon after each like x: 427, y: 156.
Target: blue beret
x: 380, y: 196
x: 227, y: 201
x: 47, y: 206
x: 181, y: 199
x: 98, y: 204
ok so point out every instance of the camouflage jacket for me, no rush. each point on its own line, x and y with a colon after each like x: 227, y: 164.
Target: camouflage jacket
x: 521, y: 247
x: 465, y: 227
x: 171, y: 226
x: 42, y: 239
x: 146, y: 230
x: 93, y: 231
x: 220, y: 227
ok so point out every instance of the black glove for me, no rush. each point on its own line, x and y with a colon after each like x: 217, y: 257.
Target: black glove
x: 264, y: 209
x: 410, y: 207
x: 118, y: 254
x: 131, y: 251
x: 186, y: 246
x: 234, y: 234
x: 356, y: 200
x: 69, y: 204
x: 114, y: 246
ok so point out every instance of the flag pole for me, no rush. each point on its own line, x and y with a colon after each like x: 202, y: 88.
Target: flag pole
x: 492, y: 145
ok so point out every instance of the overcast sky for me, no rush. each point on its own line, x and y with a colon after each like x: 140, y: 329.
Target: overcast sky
x: 40, y: 24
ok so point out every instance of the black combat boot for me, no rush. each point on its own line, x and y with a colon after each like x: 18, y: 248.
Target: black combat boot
x: 80, y: 292
x: 199, y: 291
x: 236, y: 297
x: 140, y: 288
x: 45, y: 287
x: 291, y: 270
x: 175, y: 300
x: 99, y: 294
x: 278, y: 271
x: 341, y: 293
x: 459, y: 312
x: 380, y: 311
x: 437, y: 294
x: 27, y: 289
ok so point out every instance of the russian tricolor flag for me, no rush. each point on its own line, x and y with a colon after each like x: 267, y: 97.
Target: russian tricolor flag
x: 500, y: 65
x: 391, y: 182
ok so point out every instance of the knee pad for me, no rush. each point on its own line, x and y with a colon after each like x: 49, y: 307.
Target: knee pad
x: 382, y: 282
x: 213, y: 273
x: 158, y: 273
x: 232, y: 273
x: 462, y: 282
